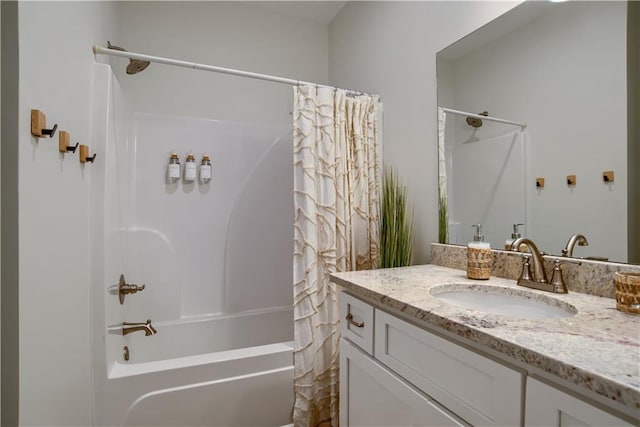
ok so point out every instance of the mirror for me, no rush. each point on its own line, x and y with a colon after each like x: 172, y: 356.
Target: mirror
x: 558, y: 71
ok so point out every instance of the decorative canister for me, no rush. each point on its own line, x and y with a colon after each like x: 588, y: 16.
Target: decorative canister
x: 628, y: 291
x: 479, y: 262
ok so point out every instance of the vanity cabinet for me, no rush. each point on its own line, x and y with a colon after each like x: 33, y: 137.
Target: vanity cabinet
x: 407, y: 376
x: 548, y: 406
x: 393, y: 373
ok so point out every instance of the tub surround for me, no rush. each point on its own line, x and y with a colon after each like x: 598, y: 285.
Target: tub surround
x: 596, y: 353
x: 591, y: 277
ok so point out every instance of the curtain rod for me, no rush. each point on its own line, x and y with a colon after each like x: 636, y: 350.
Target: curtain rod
x: 479, y: 116
x: 194, y: 65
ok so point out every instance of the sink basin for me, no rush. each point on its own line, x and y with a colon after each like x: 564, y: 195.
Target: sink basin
x: 503, y: 301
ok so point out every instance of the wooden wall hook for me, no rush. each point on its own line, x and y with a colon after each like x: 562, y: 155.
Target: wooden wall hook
x: 608, y: 176
x: 63, y: 143
x: 39, y: 125
x: 539, y: 182
x: 84, y: 154
x: 571, y: 180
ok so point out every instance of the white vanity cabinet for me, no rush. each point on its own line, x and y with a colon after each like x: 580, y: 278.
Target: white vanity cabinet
x: 393, y: 373
x: 407, y: 376
x: 548, y: 406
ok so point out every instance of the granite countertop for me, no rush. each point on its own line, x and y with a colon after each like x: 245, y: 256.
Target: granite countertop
x: 598, y: 349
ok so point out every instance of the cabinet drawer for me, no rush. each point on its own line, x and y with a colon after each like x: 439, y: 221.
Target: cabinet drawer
x: 479, y: 390
x: 356, y: 322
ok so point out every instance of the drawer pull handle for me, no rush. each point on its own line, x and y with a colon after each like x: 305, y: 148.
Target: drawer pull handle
x: 353, y: 322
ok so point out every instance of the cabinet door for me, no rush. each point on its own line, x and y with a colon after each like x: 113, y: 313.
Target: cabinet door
x: 372, y: 396
x: 547, y: 406
x: 475, y: 388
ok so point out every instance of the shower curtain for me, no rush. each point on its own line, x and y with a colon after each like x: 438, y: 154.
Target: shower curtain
x: 336, y: 181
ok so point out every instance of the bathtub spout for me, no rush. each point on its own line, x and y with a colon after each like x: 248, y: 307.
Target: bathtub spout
x: 148, y: 329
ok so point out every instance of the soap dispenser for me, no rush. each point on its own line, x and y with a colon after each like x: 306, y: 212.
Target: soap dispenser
x: 515, y: 235
x: 479, y: 256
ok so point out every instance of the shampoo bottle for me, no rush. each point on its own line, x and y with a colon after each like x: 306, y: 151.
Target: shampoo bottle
x: 190, y: 168
x: 479, y: 256
x: 173, y: 170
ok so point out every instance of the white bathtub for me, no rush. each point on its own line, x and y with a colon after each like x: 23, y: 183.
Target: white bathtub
x: 199, y: 249
x: 223, y: 382
x: 211, y: 334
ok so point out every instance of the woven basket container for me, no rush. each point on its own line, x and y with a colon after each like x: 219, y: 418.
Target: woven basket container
x: 628, y: 292
x: 479, y: 263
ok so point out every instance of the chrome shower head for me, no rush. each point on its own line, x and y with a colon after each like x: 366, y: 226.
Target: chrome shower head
x: 135, y: 65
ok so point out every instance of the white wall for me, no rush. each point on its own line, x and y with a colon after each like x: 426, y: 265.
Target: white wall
x: 390, y: 48
x: 564, y: 74
x: 227, y: 34
x: 54, y: 318
x: 204, y: 249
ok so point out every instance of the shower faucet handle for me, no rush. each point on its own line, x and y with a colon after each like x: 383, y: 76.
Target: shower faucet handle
x: 125, y: 288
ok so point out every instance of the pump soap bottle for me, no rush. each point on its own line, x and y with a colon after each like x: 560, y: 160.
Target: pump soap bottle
x: 515, y: 235
x: 479, y: 256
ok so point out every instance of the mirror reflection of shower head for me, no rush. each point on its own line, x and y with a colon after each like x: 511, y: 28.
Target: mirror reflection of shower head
x: 474, y: 122
x: 135, y: 65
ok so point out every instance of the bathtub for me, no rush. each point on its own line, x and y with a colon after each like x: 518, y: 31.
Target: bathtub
x: 229, y: 370
x: 233, y: 369
x: 209, y: 334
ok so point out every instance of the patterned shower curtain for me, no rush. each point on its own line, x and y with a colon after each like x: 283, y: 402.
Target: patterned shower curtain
x: 336, y: 180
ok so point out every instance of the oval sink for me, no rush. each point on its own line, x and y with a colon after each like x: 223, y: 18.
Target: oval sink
x: 504, y: 301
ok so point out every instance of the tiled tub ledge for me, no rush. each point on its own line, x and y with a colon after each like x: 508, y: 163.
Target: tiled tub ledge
x: 595, y: 353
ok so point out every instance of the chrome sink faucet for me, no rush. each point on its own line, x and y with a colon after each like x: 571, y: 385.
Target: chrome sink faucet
x: 148, y: 329
x: 576, y: 238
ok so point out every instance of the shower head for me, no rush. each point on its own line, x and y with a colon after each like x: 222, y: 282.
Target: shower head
x: 135, y: 65
x: 474, y: 122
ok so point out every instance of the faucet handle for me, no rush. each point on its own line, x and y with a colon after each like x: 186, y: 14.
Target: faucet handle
x: 557, y: 281
x: 526, y: 269
x: 125, y: 288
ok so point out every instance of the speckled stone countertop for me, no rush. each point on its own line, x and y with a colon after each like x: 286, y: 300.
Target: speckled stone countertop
x: 597, y: 349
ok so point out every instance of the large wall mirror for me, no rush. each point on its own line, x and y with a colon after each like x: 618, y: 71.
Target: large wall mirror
x: 552, y: 79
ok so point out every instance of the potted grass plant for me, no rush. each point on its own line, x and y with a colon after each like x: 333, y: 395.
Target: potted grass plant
x: 396, y: 226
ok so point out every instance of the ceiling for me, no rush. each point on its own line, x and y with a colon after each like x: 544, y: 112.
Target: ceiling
x: 321, y: 12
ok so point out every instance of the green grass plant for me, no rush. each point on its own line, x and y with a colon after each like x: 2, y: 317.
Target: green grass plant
x: 396, y: 227
x: 443, y: 220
